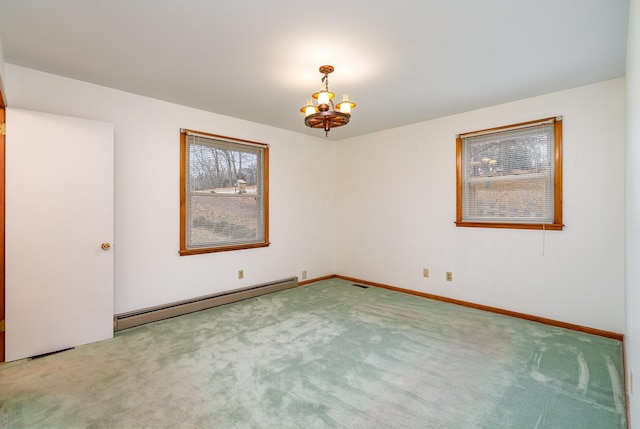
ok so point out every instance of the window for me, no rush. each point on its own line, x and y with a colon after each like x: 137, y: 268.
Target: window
x: 511, y: 177
x: 224, y: 193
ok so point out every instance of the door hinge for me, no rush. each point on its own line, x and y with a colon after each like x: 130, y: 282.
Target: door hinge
x: 1, y: 325
x: 3, y: 129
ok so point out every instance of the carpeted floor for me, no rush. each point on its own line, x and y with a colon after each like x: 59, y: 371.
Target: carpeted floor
x: 326, y: 355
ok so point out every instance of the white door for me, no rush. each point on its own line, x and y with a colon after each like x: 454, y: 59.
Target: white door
x: 59, y: 211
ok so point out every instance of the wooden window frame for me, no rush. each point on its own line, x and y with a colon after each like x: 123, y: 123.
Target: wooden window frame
x: 184, y: 250
x: 557, y: 224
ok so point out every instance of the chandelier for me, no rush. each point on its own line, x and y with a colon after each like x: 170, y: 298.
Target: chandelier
x: 325, y: 115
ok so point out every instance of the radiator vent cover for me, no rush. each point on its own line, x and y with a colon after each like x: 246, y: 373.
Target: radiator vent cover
x: 152, y: 314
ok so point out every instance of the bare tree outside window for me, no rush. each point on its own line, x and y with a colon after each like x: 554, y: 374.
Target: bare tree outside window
x: 511, y: 177
x: 223, y: 193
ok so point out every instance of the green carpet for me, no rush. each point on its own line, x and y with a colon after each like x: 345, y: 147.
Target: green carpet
x: 326, y: 355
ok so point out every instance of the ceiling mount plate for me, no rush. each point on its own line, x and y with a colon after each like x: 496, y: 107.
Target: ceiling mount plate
x: 326, y: 69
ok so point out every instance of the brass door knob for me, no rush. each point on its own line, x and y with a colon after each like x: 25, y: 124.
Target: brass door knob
x: 105, y: 246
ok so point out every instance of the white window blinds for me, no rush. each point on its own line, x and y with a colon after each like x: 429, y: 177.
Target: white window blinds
x: 508, y: 175
x: 225, y: 199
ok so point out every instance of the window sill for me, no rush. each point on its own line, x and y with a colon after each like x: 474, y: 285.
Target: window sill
x: 186, y: 252
x: 507, y: 225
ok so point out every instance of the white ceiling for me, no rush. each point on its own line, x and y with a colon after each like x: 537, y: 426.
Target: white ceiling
x: 402, y: 61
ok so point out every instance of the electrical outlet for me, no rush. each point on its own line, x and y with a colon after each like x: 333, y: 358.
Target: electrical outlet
x: 425, y: 272
x: 449, y: 276
x: 304, y: 275
x: 240, y: 274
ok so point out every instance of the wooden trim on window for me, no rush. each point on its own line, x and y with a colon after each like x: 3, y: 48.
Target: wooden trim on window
x: 185, y: 132
x: 511, y: 127
x: 557, y: 174
x: 557, y: 224
x: 184, y: 251
x: 507, y: 225
x: 458, y: 180
x: 183, y: 193
x: 266, y: 197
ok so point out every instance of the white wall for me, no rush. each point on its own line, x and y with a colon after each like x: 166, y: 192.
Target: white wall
x: 391, y: 210
x: 148, y: 270
x: 633, y: 206
x: 396, y: 210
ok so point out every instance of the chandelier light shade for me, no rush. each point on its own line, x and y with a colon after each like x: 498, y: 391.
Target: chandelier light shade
x: 325, y: 114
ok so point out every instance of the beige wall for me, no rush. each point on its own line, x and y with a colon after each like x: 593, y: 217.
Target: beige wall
x: 148, y: 270
x: 396, y: 203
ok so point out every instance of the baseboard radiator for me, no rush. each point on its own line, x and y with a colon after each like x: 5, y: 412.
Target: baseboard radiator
x: 152, y: 314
